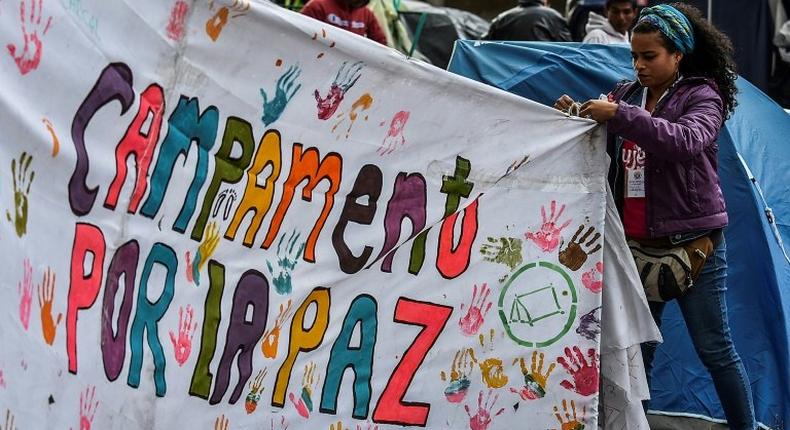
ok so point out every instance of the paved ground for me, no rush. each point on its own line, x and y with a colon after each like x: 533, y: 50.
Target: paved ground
x: 658, y: 422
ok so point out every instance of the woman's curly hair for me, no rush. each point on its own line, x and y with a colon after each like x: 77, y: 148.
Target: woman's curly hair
x: 711, y: 58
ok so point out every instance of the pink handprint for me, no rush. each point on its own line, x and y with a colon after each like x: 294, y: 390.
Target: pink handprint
x: 28, y: 59
x: 548, y: 237
x: 394, y: 137
x: 482, y: 418
x: 25, y: 288
x: 2, y: 379
x: 475, y: 315
x: 584, y: 373
x: 593, y: 279
x: 88, y: 407
x: 186, y: 330
x: 346, y: 77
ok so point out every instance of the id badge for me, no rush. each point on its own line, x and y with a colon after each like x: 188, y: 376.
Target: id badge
x: 635, y: 185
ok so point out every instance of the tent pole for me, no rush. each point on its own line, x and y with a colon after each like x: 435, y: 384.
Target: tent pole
x: 710, y: 11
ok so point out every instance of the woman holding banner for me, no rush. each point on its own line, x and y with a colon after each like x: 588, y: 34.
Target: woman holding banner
x: 662, y: 133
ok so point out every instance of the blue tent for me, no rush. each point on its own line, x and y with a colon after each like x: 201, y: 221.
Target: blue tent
x: 754, y: 154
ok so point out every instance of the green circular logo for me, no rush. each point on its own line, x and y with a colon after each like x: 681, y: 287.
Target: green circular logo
x: 537, y: 304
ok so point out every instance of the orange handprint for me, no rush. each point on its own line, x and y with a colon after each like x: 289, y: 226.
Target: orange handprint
x: 271, y: 338
x: 217, y: 22
x: 46, y: 293
x: 571, y: 421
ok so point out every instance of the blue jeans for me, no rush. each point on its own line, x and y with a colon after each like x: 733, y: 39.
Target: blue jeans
x: 705, y: 311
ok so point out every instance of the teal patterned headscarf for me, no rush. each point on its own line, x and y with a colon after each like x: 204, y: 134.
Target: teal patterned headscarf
x: 672, y: 24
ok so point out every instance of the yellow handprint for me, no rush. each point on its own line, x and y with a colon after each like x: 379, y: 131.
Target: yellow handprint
x: 304, y: 404
x: 204, y: 252
x: 256, y: 388
x: 338, y: 426
x: 570, y: 421
x: 534, y: 379
x: 491, y: 369
x: 459, y: 376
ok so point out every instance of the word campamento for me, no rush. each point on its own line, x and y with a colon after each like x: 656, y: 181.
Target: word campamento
x: 187, y: 125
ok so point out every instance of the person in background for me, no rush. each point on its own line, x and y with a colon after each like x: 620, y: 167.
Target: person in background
x: 614, y: 27
x: 530, y: 20
x: 351, y: 15
x: 662, y: 131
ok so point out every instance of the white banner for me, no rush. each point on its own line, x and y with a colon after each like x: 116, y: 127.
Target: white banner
x: 230, y: 216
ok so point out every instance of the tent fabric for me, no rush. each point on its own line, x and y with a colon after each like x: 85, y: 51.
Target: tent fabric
x: 393, y: 28
x: 753, y: 144
x: 441, y: 27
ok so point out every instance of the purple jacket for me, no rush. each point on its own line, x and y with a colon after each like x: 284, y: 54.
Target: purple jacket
x: 681, y: 179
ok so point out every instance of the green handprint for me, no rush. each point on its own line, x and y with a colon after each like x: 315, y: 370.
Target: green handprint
x: 286, y: 260
x: 22, y: 182
x: 283, y: 93
x: 505, y: 250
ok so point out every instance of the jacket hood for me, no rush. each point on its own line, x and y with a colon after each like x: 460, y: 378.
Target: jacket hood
x: 600, y: 22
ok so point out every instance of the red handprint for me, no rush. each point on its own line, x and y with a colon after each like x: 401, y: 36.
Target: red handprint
x: 25, y: 288
x: 175, y: 26
x: 88, y: 407
x: 593, y: 279
x: 482, y: 418
x: 29, y: 58
x: 548, y: 237
x: 475, y: 315
x: 46, y: 294
x: 584, y: 373
x: 186, y: 330
x: 346, y: 77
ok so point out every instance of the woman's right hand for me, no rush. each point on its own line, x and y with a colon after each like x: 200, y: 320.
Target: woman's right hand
x: 563, y: 103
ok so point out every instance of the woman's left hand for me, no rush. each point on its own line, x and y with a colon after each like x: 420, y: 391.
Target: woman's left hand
x: 599, y: 110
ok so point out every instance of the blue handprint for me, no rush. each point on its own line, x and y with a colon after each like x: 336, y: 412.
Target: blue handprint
x: 282, y: 95
x: 286, y: 261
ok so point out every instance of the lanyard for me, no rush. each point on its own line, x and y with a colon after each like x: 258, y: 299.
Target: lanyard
x: 644, y: 94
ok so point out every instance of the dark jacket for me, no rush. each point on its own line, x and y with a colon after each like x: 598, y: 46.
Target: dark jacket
x: 681, y: 178
x: 530, y: 20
